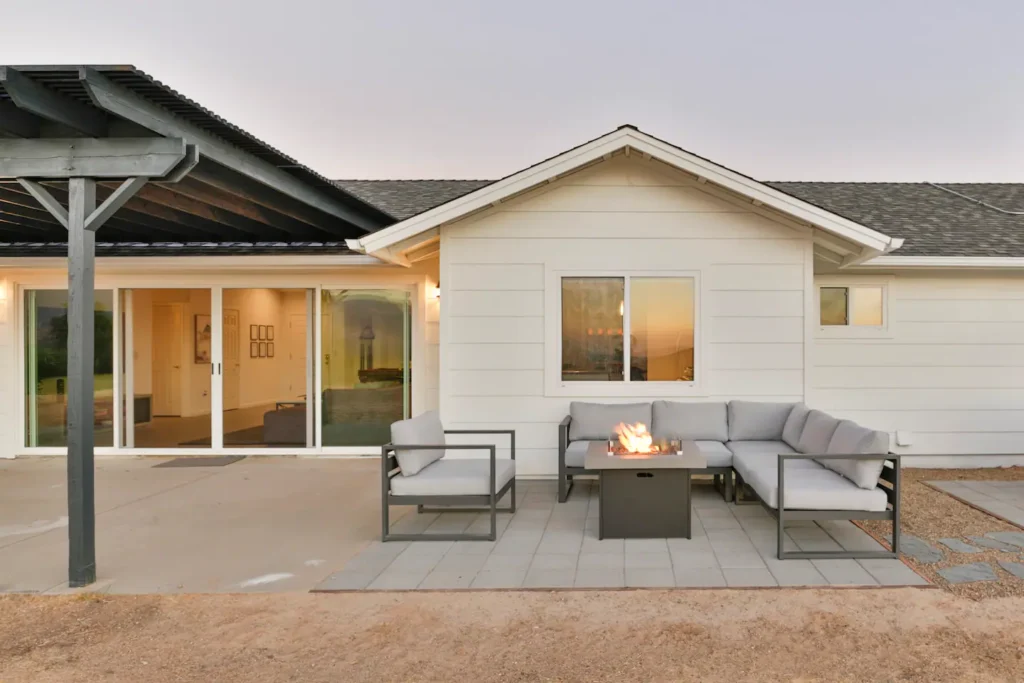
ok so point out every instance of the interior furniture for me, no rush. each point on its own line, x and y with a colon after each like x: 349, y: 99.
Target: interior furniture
x: 644, y: 496
x: 285, y: 425
x: 799, y: 463
x: 416, y: 470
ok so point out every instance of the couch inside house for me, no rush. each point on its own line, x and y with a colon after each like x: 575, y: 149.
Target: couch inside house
x: 747, y: 437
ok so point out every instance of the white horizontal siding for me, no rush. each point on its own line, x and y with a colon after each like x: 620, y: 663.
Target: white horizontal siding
x: 949, y: 372
x: 619, y: 216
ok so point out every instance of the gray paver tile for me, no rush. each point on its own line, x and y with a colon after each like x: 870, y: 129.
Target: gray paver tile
x: 550, y: 578
x: 892, y: 573
x: 701, y: 577
x: 609, y: 545
x: 499, y: 578
x: 646, y: 545
x: 603, y: 561
x: 968, y: 573
x: 795, y: 573
x: 347, y: 580
x: 992, y: 543
x: 1015, y: 568
x: 414, y: 562
x: 749, y: 577
x: 650, y: 578
x: 694, y: 560
x: 398, y: 580
x: 507, y: 562
x: 958, y: 546
x: 461, y: 563
x: 918, y: 549
x: 1012, y: 537
x: 657, y: 560
x: 740, y: 560
x: 844, y: 572
x: 448, y: 579
x: 600, y: 578
x: 545, y: 562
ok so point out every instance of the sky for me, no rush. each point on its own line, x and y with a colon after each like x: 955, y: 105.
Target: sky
x: 872, y: 90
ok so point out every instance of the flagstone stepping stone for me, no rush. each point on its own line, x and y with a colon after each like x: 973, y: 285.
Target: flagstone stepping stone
x: 917, y: 548
x: 958, y: 546
x: 1014, y: 537
x: 1015, y: 568
x: 968, y: 573
x: 993, y: 544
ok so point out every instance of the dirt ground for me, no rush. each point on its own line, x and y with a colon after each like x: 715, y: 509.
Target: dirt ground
x: 905, y: 634
x: 931, y: 515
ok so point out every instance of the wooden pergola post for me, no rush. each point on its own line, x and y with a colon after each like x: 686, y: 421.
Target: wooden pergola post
x: 81, y: 162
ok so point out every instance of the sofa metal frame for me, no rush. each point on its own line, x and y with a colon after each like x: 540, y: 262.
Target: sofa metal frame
x: 723, y: 477
x: 890, y: 475
x: 466, y: 502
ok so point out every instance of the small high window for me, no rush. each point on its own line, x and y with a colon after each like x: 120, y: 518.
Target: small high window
x: 855, y: 306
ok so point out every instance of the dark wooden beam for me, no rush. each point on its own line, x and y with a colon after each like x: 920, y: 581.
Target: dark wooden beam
x: 39, y: 100
x: 17, y: 122
x: 164, y: 196
x: 243, y: 188
x: 54, y: 158
x: 210, y: 231
x: 109, y: 96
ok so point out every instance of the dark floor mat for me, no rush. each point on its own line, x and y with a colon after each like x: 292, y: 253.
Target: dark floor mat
x: 202, y: 461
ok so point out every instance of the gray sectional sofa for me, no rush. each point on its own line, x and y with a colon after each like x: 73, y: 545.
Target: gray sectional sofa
x: 799, y: 463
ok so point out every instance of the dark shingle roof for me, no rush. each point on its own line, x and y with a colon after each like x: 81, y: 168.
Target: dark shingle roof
x: 934, y: 222
x: 405, y: 198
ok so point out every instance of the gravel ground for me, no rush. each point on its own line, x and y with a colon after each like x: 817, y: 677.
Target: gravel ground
x: 903, y: 634
x: 931, y: 515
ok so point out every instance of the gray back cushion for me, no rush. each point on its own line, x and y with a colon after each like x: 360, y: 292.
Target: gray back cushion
x: 817, y: 433
x: 757, y: 421
x: 597, y: 421
x: 795, y: 424
x: 852, y: 439
x: 690, y: 421
x: 424, y: 430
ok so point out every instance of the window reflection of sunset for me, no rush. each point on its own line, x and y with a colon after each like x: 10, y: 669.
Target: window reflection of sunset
x: 661, y: 328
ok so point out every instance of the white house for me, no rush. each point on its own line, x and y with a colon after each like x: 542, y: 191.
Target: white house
x: 623, y: 269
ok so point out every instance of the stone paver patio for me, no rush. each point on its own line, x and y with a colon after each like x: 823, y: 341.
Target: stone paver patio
x: 550, y: 545
x: 1003, y: 499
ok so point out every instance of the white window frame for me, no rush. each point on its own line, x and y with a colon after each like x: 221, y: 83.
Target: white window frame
x: 851, y: 331
x: 556, y: 386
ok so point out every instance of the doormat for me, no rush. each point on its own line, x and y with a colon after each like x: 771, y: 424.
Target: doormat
x: 202, y: 461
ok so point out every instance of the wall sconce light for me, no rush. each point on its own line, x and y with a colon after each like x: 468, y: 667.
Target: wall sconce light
x: 436, y: 291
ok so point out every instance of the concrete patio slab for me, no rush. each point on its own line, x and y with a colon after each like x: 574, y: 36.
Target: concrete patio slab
x: 1003, y: 499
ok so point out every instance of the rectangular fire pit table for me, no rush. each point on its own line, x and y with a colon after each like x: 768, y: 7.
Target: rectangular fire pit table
x: 644, y: 496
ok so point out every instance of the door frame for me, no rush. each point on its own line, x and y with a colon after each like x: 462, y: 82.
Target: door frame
x: 121, y: 284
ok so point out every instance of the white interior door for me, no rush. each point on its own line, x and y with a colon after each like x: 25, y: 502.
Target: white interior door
x: 296, y: 370
x: 232, y: 359
x: 168, y: 331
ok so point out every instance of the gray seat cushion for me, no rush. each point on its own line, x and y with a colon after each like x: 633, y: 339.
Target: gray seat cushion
x: 748, y: 455
x: 716, y: 453
x: 576, y: 453
x: 597, y: 421
x: 455, y: 477
x: 690, y: 421
x: 794, y: 426
x: 812, y: 488
x: 817, y: 433
x: 423, y: 430
x: 850, y: 438
x: 757, y: 421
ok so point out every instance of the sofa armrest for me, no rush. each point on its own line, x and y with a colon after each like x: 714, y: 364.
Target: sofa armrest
x: 563, y: 439
x: 511, y: 435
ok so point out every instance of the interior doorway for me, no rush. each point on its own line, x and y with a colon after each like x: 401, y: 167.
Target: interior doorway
x: 167, y: 359
x: 232, y: 359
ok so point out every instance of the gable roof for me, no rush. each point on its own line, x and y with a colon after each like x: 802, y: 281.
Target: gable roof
x: 944, y: 220
x: 388, y: 242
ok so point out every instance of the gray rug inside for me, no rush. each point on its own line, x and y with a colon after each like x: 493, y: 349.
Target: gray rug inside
x: 202, y: 461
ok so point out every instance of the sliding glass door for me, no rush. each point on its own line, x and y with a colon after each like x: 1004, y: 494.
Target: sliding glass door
x: 365, y: 365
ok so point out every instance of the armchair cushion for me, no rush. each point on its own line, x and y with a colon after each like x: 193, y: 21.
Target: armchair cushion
x: 851, y: 438
x: 715, y: 453
x: 423, y: 430
x: 690, y: 421
x: 757, y: 421
x: 795, y: 424
x: 818, y: 431
x: 597, y: 421
x: 456, y: 477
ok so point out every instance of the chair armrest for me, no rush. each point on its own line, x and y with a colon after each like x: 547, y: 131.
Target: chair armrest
x: 511, y: 435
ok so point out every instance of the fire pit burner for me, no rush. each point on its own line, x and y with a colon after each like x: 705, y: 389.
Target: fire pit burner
x: 635, y: 440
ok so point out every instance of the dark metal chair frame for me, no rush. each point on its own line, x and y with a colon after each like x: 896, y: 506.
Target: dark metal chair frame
x: 890, y: 475
x: 723, y: 478
x: 486, y: 502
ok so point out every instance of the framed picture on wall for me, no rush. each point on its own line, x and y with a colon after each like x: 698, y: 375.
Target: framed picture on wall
x: 254, y: 349
x: 254, y: 332
x: 270, y: 333
x: 263, y: 349
x: 263, y: 332
x: 203, y: 338
x: 270, y: 349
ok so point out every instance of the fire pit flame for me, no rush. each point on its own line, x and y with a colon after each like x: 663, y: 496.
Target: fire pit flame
x: 635, y: 438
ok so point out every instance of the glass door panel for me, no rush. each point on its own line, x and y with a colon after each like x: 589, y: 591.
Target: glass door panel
x: 267, y: 368
x: 46, y: 368
x: 365, y: 364
x: 167, y: 377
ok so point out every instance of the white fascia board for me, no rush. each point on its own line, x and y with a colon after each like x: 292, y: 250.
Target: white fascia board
x: 603, y: 147
x: 983, y: 262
